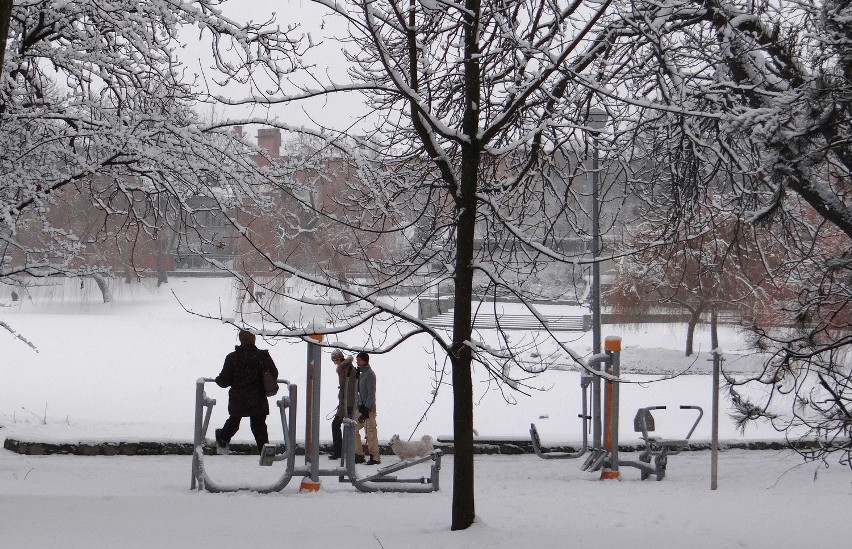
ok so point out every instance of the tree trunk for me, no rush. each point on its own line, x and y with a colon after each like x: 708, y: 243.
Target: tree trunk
x: 104, y: 287
x: 128, y: 273
x: 714, y: 412
x: 162, y: 275
x: 463, y: 488
x: 694, y: 318
x: 464, y: 509
x: 5, y: 20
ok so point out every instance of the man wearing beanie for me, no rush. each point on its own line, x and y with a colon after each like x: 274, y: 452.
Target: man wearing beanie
x: 366, y: 411
x: 242, y: 372
x: 347, y: 394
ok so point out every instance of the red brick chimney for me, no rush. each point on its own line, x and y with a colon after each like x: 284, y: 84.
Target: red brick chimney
x: 269, y: 139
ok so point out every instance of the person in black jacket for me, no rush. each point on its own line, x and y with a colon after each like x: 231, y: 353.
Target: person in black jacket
x: 247, y: 397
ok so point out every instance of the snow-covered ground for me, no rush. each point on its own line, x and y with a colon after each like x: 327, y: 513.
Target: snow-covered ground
x: 765, y: 500
x: 126, y: 371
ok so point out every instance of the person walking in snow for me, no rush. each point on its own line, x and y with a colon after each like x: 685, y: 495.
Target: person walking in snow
x: 242, y: 372
x: 347, y: 394
x: 366, y: 411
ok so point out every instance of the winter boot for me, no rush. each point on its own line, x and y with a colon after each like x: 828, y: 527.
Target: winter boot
x: 221, y: 443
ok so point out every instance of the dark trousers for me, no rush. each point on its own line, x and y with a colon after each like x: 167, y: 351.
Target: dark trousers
x: 257, y: 424
x: 337, y: 432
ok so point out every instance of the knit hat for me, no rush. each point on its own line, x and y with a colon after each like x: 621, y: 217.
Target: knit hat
x: 337, y: 353
x: 246, y: 337
x: 364, y: 356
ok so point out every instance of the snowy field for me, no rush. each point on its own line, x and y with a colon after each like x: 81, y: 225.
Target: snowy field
x: 126, y: 371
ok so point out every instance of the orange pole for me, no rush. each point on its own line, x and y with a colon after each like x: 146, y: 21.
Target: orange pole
x: 612, y: 346
x: 608, y: 422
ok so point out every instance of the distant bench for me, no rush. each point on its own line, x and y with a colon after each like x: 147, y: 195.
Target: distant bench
x: 576, y: 323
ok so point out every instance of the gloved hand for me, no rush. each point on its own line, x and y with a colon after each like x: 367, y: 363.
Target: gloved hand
x: 364, y: 413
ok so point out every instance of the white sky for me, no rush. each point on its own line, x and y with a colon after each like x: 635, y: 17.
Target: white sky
x: 332, y: 111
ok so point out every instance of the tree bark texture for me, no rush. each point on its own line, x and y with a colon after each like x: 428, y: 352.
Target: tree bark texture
x: 5, y: 20
x: 103, y: 286
x: 464, y: 510
x: 694, y: 318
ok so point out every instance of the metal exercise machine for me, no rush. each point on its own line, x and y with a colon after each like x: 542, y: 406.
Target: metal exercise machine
x: 585, y: 382
x: 382, y: 480
x: 597, y: 454
x: 604, y: 456
x: 656, y: 447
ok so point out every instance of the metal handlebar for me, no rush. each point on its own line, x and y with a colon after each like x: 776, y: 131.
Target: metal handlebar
x: 203, y: 380
x: 700, y: 415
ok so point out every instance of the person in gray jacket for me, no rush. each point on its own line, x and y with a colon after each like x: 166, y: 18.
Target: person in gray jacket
x: 366, y: 417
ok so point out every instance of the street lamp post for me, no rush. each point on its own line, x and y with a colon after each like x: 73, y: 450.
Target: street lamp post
x: 596, y: 122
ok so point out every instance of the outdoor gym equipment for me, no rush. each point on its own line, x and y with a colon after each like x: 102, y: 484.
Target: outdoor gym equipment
x: 604, y: 455
x: 585, y: 382
x: 381, y: 481
x: 656, y: 447
x: 597, y: 454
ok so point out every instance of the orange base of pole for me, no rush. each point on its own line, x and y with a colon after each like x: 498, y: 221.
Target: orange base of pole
x: 606, y: 474
x: 309, y: 485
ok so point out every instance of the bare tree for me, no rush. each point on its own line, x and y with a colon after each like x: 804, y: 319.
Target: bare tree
x: 97, y: 111
x: 474, y: 173
x: 710, y: 260
x: 760, y: 93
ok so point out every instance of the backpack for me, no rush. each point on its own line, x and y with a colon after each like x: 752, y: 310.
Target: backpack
x: 270, y: 383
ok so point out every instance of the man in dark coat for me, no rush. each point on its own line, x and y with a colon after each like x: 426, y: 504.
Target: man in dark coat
x: 242, y: 372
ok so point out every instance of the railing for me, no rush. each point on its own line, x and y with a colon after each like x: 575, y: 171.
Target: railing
x: 575, y: 323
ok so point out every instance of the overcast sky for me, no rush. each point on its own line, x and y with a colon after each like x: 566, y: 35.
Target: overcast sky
x: 326, y: 60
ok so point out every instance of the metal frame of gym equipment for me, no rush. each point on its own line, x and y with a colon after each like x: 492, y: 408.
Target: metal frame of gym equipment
x: 381, y: 481
x: 656, y: 447
x: 596, y: 453
x: 585, y: 381
x: 606, y: 457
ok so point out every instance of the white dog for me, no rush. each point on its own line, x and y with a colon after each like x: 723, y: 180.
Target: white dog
x: 410, y: 450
